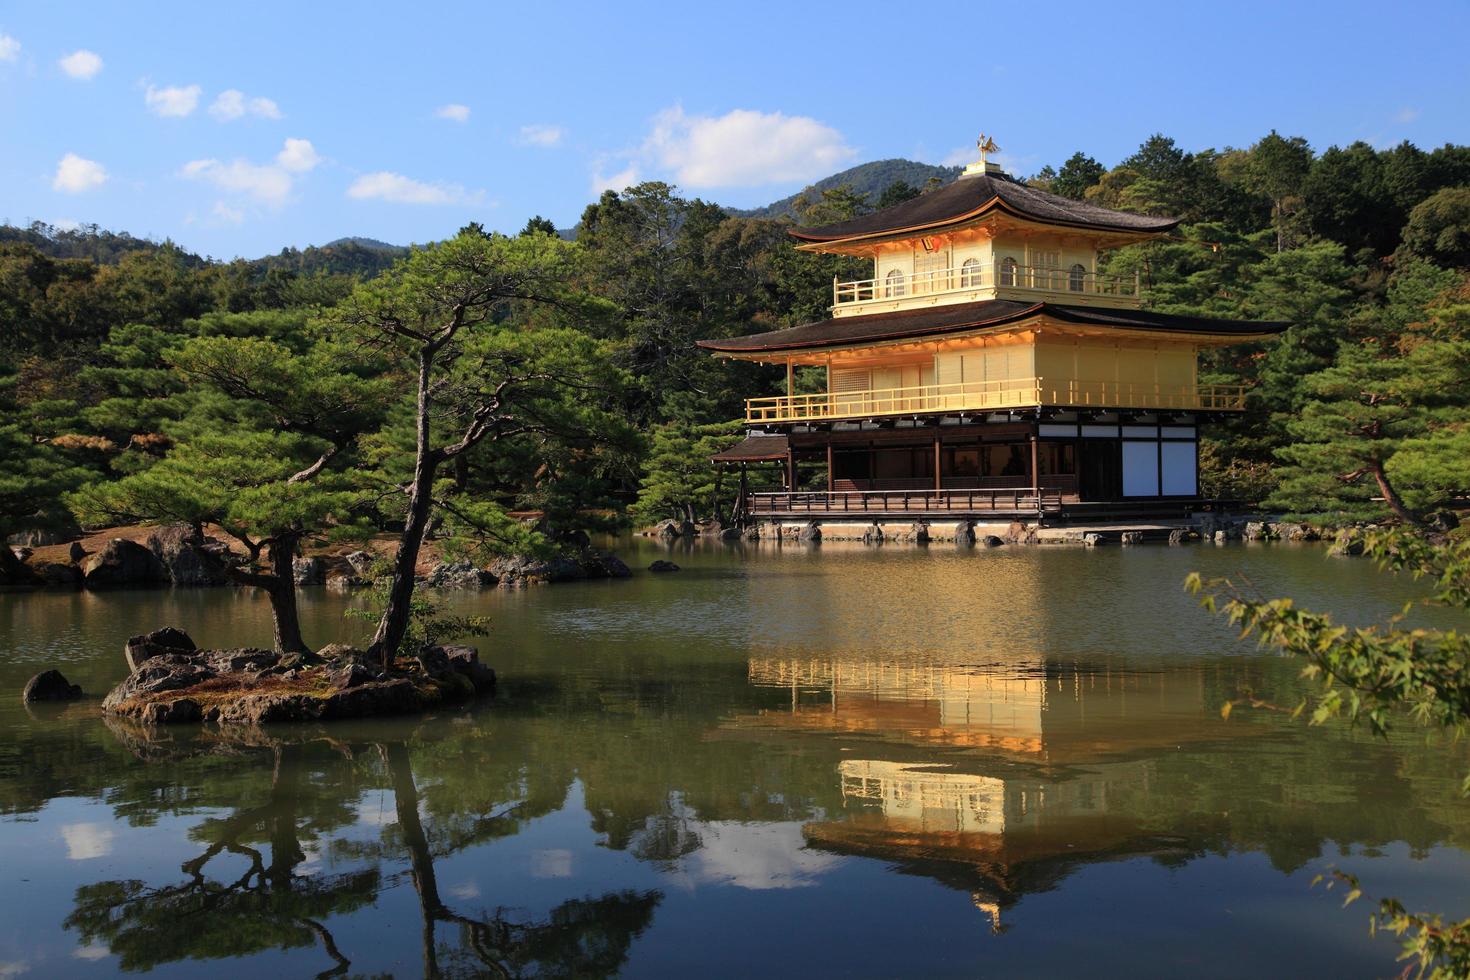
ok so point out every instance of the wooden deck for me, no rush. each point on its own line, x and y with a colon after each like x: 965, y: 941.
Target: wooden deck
x: 1049, y: 505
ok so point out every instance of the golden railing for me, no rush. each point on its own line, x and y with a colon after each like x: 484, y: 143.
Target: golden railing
x: 991, y: 395
x: 965, y: 278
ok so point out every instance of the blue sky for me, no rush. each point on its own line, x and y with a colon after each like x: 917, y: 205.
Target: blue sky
x: 237, y: 129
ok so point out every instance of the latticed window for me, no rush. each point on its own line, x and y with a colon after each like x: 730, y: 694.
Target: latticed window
x: 931, y: 272
x: 1077, y: 278
x: 970, y: 273
x: 1008, y: 271
x: 893, y: 283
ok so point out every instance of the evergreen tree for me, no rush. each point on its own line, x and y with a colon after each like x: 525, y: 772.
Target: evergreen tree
x: 264, y: 455
x: 1373, y: 426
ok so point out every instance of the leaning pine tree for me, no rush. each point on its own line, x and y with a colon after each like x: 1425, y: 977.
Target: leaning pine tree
x: 449, y: 322
x: 264, y: 456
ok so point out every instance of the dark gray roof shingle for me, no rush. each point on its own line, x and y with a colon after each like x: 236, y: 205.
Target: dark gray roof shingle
x: 934, y: 320
x: 968, y: 197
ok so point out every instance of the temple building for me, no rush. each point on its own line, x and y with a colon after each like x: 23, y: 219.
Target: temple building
x: 986, y: 369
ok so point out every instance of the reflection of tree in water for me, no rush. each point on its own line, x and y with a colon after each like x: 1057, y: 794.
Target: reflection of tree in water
x: 216, y: 913
x: 267, y: 906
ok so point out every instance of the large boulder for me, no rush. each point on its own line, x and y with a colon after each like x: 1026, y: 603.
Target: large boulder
x: 159, y: 675
x: 57, y: 574
x: 1019, y: 533
x: 49, y: 685
x: 458, y: 575
x: 1349, y: 543
x: 810, y: 533
x: 517, y: 570
x: 1260, y: 531
x: 670, y: 529
x: 1131, y: 537
x: 14, y: 573
x: 309, y: 570
x: 169, y: 639
x: 466, y: 662
x: 964, y: 533
x: 122, y: 563
x: 992, y: 541
x: 604, y: 564
x: 76, y: 552
x: 661, y: 566
x: 188, y: 560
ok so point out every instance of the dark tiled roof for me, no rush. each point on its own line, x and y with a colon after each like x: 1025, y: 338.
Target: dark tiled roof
x: 753, y: 449
x: 969, y: 197
x: 968, y: 316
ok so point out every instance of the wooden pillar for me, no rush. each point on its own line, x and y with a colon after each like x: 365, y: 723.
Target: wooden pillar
x: 938, y: 480
x: 1035, y: 465
x: 790, y: 470
x: 740, y: 504
x: 790, y: 379
x: 829, y: 464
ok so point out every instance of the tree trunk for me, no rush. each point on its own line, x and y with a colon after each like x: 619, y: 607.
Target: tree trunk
x: 420, y: 858
x: 282, y: 592
x: 394, y: 623
x: 1391, y: 496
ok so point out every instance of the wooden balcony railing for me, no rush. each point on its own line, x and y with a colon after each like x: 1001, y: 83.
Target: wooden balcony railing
x: 994, y: 395
x: 899, y: 503
x: 986, y: 278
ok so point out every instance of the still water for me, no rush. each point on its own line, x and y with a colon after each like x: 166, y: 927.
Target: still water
x: 832, y: 761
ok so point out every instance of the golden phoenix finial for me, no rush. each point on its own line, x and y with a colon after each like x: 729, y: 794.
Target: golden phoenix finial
x: 986, y: 144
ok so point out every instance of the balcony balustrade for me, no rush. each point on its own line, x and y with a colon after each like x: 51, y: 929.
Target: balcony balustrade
x: 986, y: 282
x: 975, y: 396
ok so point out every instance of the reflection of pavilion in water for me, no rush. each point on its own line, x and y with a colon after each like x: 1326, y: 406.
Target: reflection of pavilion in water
x: 1027, y: 709
x: 998, y: 780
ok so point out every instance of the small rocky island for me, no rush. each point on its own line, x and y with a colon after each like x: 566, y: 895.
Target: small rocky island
x: 172, y: 681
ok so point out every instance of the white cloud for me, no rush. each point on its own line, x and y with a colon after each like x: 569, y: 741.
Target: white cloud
x: 614, y: 182
x: 297, y: 156
x: 541, y: 134
x: 76, y: 175
x: 9, y: 47
x: 81, y: 65
x: 744, y: 148
x: 175, y: 101
x: 757, y: 856
x: 1406, y: 115
x: 270, y: 184
x: 453, y: 111
x: 398, y: 189
x: 227, y: 214
x: 92, y: 951
x: 87, y: 840
x: 233, y: 103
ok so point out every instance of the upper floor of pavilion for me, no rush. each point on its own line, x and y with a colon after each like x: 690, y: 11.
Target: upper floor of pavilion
x: 985, y: 236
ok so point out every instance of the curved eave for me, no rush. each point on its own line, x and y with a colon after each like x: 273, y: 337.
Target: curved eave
x: 994, y: 204
x: 1036, y: 314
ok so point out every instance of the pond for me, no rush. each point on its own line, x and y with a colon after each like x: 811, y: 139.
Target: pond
x: 865, y: 761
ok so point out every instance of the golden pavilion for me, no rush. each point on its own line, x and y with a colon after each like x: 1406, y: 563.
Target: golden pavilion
x: 986, y: 369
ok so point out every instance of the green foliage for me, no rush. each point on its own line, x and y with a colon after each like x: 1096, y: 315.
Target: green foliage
x: 32, y: 481
x: 1374, y: 675
x: 1439, y: 228
x: 1376, y: 424
x: 1233, y: 478
x: 428, y: 625
x: 678, y: 478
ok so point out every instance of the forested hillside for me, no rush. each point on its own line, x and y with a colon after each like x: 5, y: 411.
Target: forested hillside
x: 1361, y: 407
x: 867, y: 180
